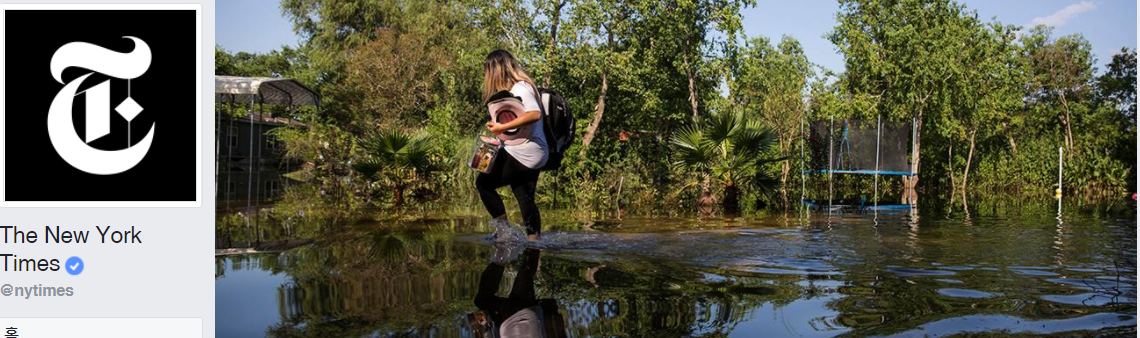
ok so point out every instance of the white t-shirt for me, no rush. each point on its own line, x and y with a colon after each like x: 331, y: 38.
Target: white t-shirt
x: 531, y: 153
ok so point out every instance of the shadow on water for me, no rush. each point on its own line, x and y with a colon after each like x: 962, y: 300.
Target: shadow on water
x: 889, y: 274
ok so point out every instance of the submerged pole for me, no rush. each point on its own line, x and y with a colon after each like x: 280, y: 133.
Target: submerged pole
x: 229, y: 150
x: 1060, y: 170
x: 1060, y: 220
x: 257, y: 158
x: 249, y: 179
x: 803, y: 176
x: 878, y: 138
x: 257, y: 162
x: 229, y: 153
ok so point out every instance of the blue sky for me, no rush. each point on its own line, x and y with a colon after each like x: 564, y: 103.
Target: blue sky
x: 258, y: 26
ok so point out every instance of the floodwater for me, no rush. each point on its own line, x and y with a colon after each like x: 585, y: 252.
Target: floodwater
x: 887, y: 274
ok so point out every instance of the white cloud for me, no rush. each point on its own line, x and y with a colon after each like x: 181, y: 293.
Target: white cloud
x: 1059, y: 18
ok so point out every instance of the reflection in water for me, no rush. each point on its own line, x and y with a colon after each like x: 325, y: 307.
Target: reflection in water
x: 843, y: 275
x: 1059, y: 242
x: 520, y: 314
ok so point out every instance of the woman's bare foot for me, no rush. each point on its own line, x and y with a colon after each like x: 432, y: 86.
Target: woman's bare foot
x: 532, y: 237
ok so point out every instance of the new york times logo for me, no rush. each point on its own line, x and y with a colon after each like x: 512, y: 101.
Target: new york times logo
x: 106, y: 113
x: 60, y: 129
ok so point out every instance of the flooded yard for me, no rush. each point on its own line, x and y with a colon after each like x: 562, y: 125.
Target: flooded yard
x: 894, y: 273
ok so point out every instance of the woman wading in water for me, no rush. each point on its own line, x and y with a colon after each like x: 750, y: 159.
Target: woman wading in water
x: 520, y: 158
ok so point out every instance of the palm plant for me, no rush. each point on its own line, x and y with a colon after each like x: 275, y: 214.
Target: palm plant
x: 730, y: 149
x: 396, y: 159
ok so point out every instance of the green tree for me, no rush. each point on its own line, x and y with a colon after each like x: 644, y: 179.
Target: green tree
x: 397, y: 160
x: 287, y: 62
x: 394, y: 79
x: 337, y: 32
x: 684, y: 31
x: 1117, y: 87
x: 1061, y: 73
x: 597, y: 32
x: 729, y: 149
x: 901, y: 56
x: 988, y: 92
x: 772, y: 82
x: 1118, y: 83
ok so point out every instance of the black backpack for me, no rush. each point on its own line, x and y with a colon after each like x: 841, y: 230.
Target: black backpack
x: 558, y: 124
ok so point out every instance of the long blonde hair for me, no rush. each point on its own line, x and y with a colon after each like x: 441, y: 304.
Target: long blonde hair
x: 501, y: 72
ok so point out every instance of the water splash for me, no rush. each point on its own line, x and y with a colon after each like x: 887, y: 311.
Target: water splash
x: 506, y: 232
x: 508, y: 239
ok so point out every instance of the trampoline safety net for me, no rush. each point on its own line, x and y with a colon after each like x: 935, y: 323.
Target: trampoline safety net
x: 849, y: 146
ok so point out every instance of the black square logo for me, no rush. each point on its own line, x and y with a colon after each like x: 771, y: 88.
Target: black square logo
x: 101, y: 105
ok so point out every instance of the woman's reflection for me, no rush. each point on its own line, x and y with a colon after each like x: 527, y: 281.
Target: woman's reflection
x: 521, y: 314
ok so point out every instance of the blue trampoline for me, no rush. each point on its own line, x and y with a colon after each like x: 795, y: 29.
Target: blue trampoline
x: 858, y: 147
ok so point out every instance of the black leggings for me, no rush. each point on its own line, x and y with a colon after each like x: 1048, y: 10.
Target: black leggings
x: 508, y: 170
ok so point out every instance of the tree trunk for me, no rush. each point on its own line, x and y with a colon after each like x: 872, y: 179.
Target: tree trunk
x: 916, y: 152
x: 554, y: 21
x: 398, y: 196
x: 731, y: 204
x: 728, y: 88
x: 910, y: 183
x: 969, y: 160
x: 783, y: 183
x: 688, y: 64
x: 692, y: 94
x: 1067, y: 122
x: 598, y: 111
x: 705, y: 202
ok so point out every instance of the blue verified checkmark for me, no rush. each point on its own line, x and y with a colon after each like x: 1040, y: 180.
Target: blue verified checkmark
x: 74, y: 265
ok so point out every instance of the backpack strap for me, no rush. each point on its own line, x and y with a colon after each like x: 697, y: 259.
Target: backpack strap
x: 547, y: 133
x: 541, y: 103
x: 547, y: 129
x: 545, y: 101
